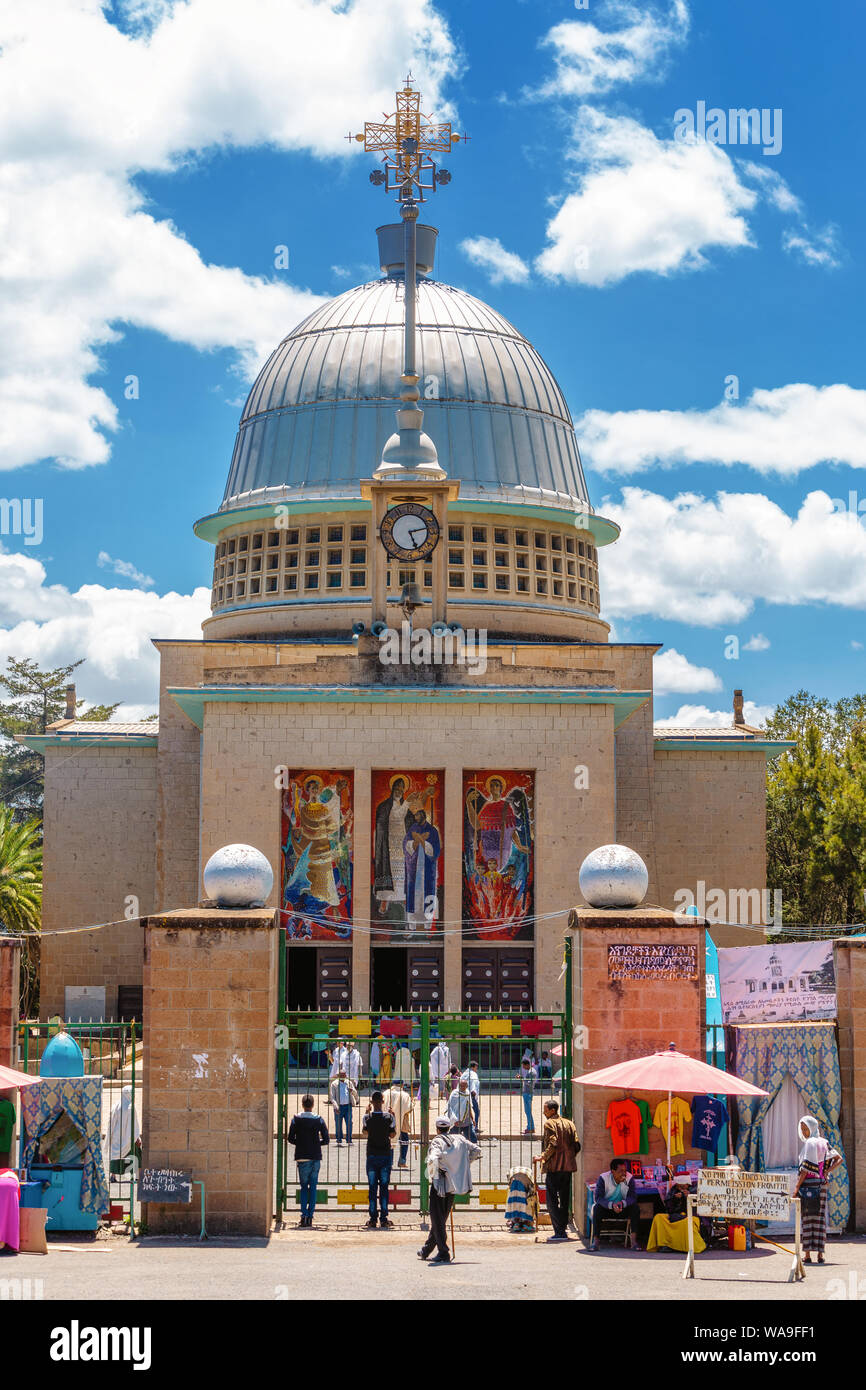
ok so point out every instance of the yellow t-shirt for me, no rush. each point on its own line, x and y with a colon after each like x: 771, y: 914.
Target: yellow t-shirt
x: 680, y: 1115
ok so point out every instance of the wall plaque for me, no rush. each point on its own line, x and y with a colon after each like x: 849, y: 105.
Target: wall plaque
x: 659, y: 961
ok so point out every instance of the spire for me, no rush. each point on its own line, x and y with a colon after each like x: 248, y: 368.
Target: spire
x: 407, y: 139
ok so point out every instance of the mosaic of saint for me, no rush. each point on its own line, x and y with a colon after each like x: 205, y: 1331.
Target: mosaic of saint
x: 316, y: 840
x: 499, y: 854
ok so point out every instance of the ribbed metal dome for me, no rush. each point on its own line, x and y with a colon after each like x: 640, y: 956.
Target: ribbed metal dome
x: 318, y: 415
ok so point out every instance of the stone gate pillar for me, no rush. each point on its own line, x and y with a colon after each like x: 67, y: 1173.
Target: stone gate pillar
x: 628, y: 1002
x: 850, y: 966
x: 10, y: 982
x: 210, y: 1000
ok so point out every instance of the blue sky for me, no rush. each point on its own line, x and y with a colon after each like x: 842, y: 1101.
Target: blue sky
x: 157, y: 153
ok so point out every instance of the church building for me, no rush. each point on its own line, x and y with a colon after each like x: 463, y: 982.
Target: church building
x: 404, y: 694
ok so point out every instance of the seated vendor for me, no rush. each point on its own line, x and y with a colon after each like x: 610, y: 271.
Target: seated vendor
x: 615, y: 1198
x: 669, y: 1229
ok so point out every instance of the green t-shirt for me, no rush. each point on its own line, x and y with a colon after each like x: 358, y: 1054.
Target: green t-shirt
x: 645, y: 1125
x: 7, y: 1125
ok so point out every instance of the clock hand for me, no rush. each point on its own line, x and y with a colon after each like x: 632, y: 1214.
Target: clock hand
x: 418, y: 534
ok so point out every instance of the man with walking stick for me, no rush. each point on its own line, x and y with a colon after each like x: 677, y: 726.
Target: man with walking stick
x: 448, y: 1172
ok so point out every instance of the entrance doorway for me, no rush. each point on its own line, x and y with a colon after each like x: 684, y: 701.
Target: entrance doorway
x: 390, y: 979
x: 406, y: 977
x: 318, y: 977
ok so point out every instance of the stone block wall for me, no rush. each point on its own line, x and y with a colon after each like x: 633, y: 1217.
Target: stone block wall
x: 100, y: 851
x: 210, y: 998
x: 850, y: 964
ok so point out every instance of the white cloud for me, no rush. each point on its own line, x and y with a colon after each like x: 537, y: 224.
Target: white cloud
x: 643, y: 204
x: 757, y: 643
x: 856, y: 646
x: 589, y: 59
x: 673, y: 673
x: 708, y: 561
x: 125, y: 568
x: 85, y: 106
x: 490, y: 255
x: 700, y: 717
x: 815, y: 248
x: 783, y: 430
x: 110, y: 628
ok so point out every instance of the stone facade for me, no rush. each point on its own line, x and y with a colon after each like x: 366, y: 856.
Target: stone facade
x: 100, y: 854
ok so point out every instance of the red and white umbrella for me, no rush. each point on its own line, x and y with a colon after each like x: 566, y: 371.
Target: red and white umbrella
x: 10, y: 1077
x: 669, y: 1071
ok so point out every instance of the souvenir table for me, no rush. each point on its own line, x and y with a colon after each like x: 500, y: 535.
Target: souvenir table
x: 650, y: 1193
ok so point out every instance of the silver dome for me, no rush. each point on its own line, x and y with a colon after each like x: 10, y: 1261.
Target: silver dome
x: 322, y: 407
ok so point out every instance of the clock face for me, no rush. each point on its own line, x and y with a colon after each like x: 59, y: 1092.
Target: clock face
x: 409, y: 531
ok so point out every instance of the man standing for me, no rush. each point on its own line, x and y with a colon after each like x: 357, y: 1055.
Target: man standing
x: 379, y: 1126
x: 440, y: 1062
x: 527, y: 1076
x: 448, y: 1172
x: 343, y: 1097
x: 346, y: 1058
x: 471, y: 1076
x: 558, y: 1159
x: 308, y: 1132
x: 398, y: 1099
x: 460, y: 1111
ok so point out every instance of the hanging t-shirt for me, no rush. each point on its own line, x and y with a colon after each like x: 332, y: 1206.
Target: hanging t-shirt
x: 680, y: 1116
x: 708, y: 1117
x: 624, y: 1121
x: 645, y: 1123
x: 7, y: 1125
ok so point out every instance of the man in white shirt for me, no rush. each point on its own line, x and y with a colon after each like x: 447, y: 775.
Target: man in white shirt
x: 398, y: 1099
x: 346, y: 1058
x: 471, y: 1076
x: 440, y: 1061
x: 448, y: 1172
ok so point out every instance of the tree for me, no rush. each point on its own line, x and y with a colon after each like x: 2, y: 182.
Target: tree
x: 21, y: 896
x: 34, y: 699
x: 816, y: 809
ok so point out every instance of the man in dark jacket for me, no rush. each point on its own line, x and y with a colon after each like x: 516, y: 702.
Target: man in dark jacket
x: 558, y: 1159
x: 308, y: 1132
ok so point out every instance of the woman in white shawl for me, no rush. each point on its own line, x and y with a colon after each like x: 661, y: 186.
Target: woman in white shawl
x: 817, y: 1161
x: 124, y: 1133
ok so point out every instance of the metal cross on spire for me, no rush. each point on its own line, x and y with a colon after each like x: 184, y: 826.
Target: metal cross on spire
x: 407, y: 138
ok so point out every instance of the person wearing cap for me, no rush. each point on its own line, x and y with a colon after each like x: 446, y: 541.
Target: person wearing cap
x: 459, y: 1111
x: 449, y: 1175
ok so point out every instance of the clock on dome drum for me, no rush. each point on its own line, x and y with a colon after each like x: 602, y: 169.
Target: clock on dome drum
x: 409, y: 531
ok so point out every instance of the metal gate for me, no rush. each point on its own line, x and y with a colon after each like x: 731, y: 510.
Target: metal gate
x: 394, y: 1050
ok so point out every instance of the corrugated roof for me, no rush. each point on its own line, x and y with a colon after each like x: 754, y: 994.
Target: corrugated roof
x: 104, y: 728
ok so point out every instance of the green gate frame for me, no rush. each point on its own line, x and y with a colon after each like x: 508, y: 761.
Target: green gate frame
x: 432, y: 1024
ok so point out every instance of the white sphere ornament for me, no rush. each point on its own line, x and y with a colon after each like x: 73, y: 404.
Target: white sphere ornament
x: 238, y: 876
x: 613, y: 876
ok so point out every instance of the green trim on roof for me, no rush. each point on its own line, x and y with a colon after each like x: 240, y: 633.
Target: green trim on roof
x: 727, y: 745
x: 39, y: 742
x: 192, y: 699
x: 210, y: 528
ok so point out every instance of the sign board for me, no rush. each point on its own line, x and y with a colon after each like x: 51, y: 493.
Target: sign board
x: 662, y: 961
x: 164, y: 1185
x: 729, y: 1192
x: 777, y: 984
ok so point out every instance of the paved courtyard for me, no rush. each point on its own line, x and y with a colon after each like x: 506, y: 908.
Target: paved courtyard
x: 490, y: 1266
